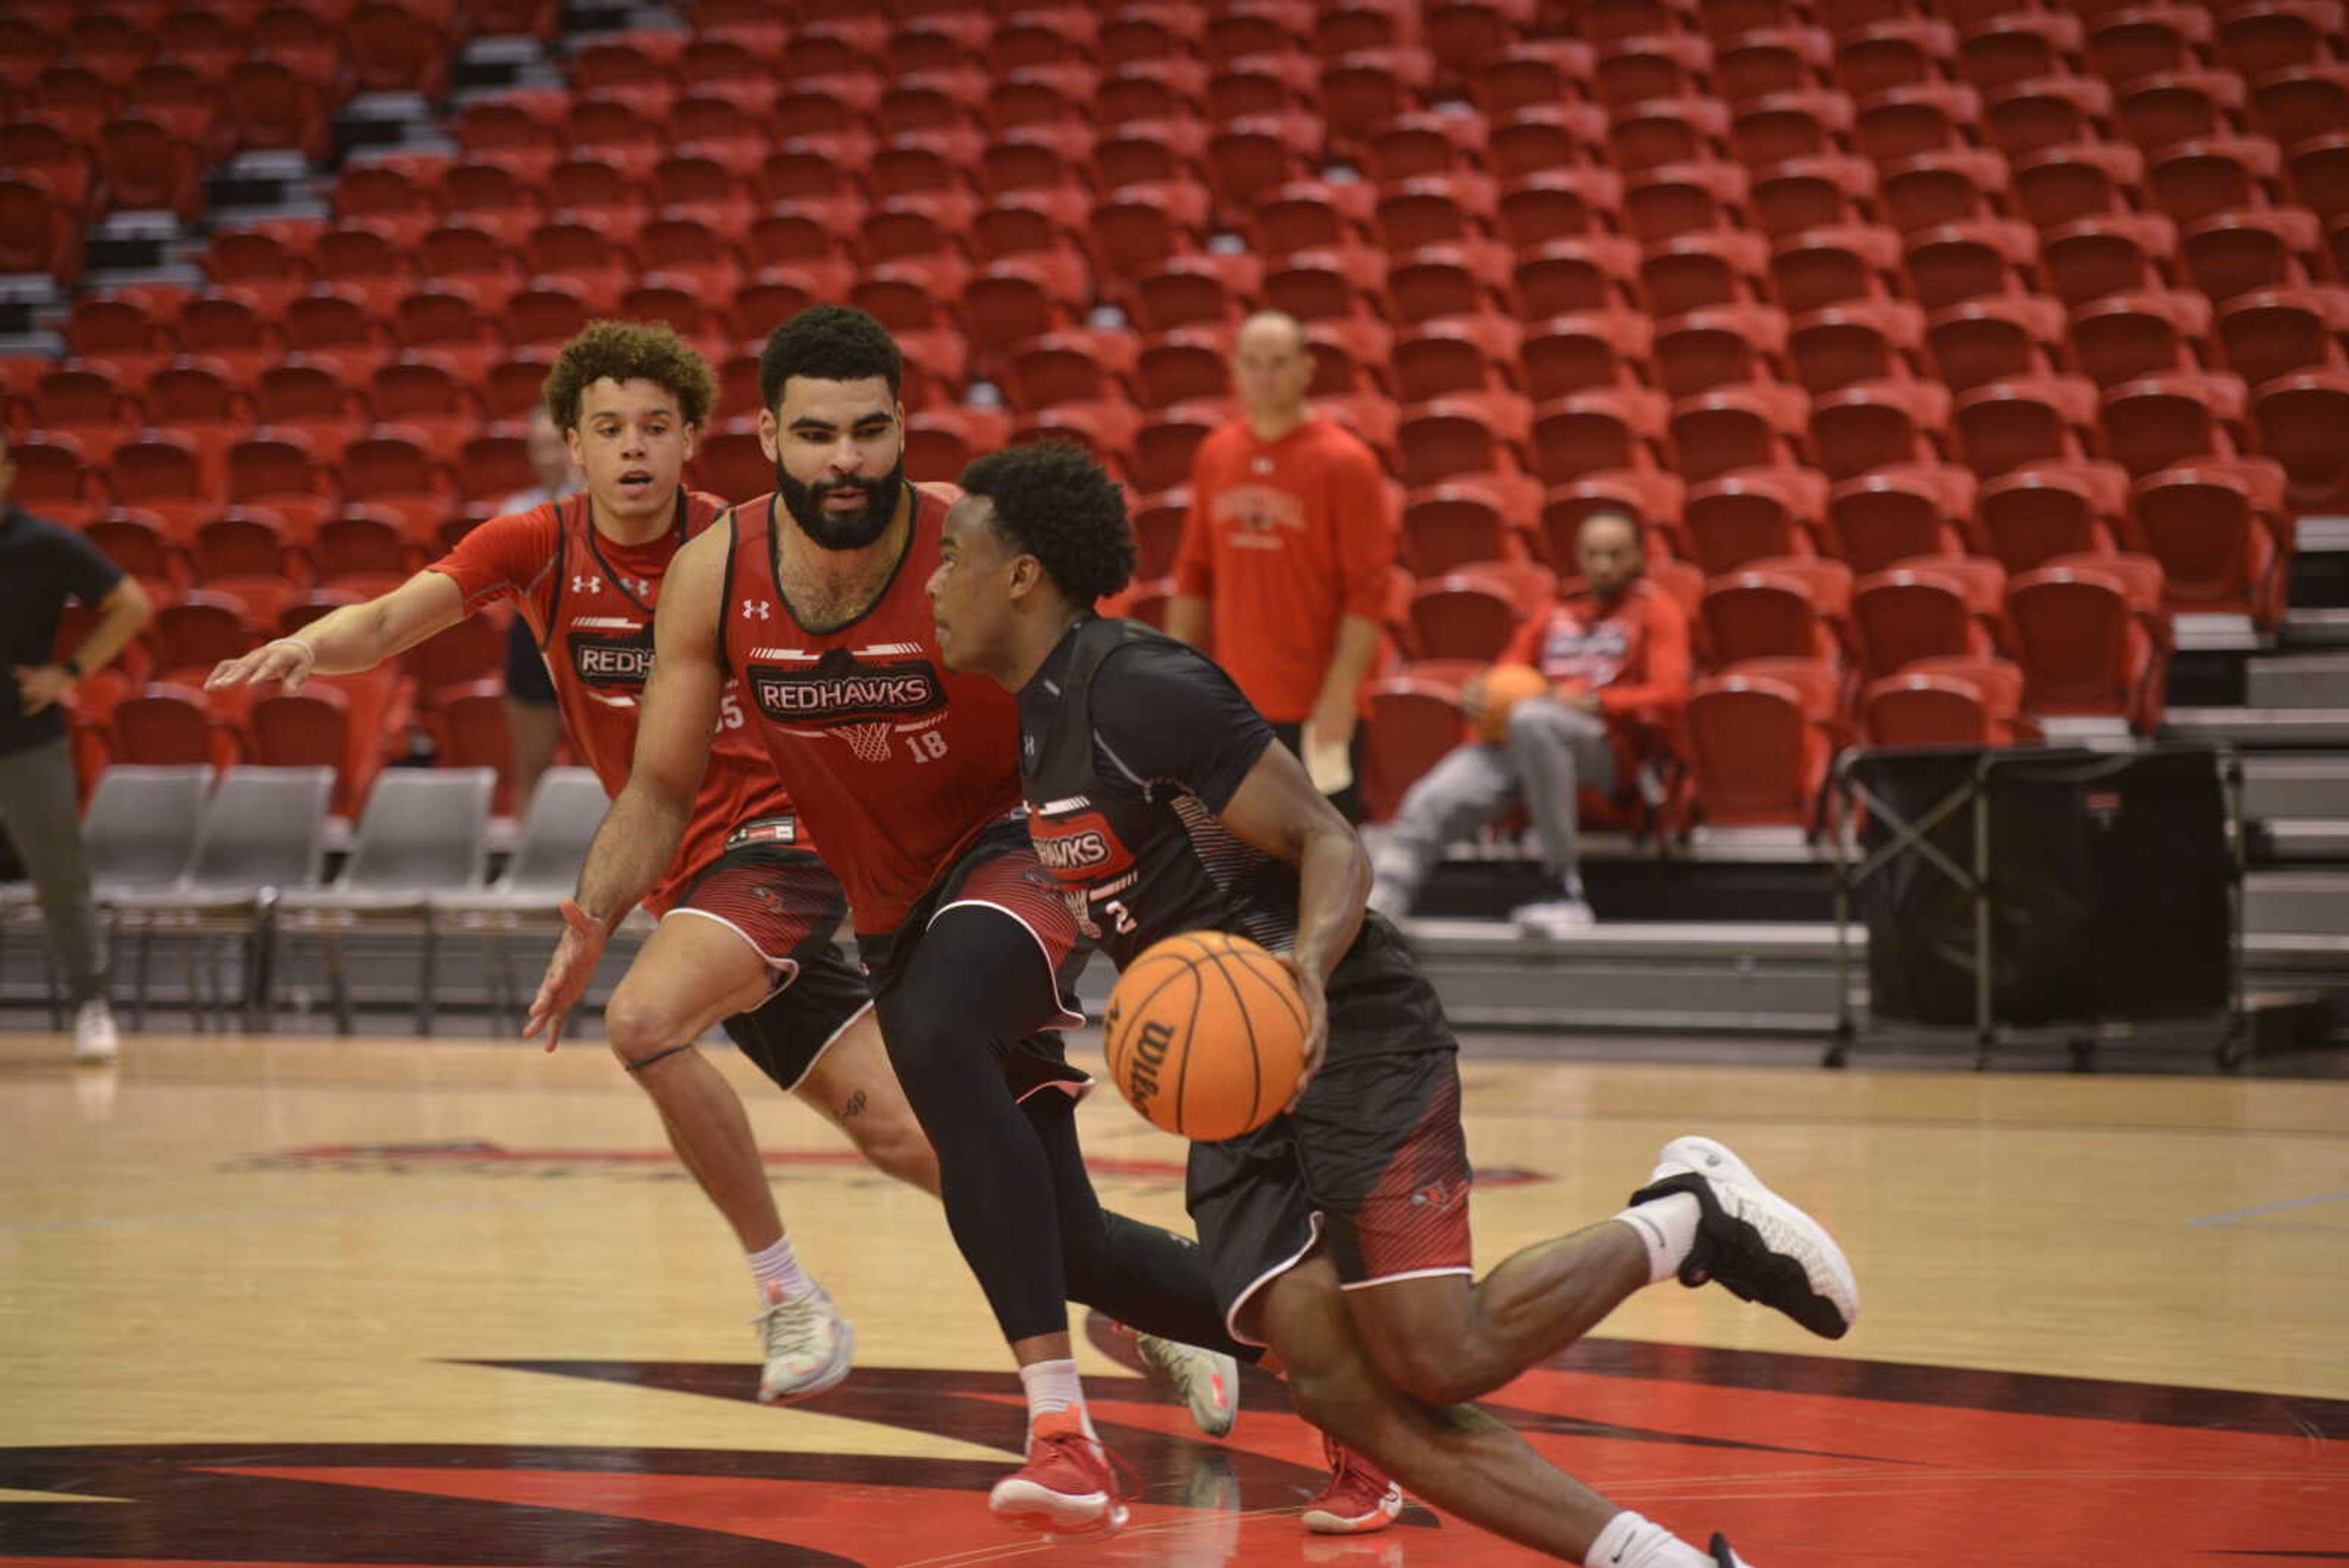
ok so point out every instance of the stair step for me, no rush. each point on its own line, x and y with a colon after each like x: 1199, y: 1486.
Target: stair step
x: 2254, y: 728
x: 2319, y: 628
x: 2302, y: 902
x: 2290, y: 786
x: 2298, y: 680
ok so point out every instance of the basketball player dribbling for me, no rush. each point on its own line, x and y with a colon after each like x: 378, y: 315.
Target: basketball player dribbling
x: 748, y: 910
x: 1338, y: 1233
x: 812, y: 599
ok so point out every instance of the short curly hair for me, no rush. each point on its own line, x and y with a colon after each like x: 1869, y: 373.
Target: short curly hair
x: 830, y: 343
x: 1058, y: 504
x: 630, y: 351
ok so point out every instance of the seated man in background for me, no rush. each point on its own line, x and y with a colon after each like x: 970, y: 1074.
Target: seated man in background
x: 533, y: 717
x: 1612, y: 653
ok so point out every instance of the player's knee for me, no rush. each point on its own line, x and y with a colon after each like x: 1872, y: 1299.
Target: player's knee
x: 1433, y: 1373
x: 1334, y: 1392
x: 893, y: 1146
x: 637, y: 1028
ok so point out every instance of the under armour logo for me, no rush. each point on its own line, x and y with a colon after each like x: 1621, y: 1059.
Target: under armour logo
x: 640, y: 587
x: 586, y: 584
x: 757, y: 609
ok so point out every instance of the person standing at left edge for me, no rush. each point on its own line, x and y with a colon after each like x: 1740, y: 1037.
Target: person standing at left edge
x: 41, y: 566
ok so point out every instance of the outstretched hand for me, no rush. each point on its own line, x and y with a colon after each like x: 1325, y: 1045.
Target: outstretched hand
x: 287, y: 659
x: 568, y: 973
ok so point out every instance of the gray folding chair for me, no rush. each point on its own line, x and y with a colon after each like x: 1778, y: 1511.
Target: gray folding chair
x: 565, y: 811
x: 137, y: 836
x: 262, y: 833
x: 424, y: 831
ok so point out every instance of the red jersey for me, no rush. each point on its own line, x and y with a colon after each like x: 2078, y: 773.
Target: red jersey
x: 894, y: 762
x: 590, y: 604
x: 1285, y: 539
x: 1633, y: 653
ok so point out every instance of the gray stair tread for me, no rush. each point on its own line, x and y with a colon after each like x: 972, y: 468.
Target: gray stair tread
x: 2326, y: 628
x: 1449, y: 941
x: 2262, y: 726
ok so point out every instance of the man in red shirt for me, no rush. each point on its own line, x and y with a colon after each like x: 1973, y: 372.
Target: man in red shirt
x: 1282, y: 568
x: 813, y: 600
x: 748, y: 911
x: 1616, y: 657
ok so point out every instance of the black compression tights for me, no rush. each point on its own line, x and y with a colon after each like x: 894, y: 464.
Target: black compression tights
x: 977, y: 985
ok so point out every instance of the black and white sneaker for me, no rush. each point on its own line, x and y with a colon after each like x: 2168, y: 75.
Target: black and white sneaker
x: 1723, y: 1557
x: 1754, y: 1242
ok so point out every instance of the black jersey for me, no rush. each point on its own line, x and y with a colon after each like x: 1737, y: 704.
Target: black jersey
x: 1130, y: 745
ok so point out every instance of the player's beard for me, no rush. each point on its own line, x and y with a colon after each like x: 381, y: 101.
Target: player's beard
x: 842, y: 530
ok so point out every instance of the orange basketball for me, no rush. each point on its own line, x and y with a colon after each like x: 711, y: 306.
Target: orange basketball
x: 1205, y: 1036
x: 1505, y: 686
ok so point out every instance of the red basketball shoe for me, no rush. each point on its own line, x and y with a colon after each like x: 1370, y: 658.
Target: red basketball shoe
x: 1359, y: 1499
x: 1068, y: 1486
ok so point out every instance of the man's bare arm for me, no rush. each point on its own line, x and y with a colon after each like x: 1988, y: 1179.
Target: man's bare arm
x: 354, y: 637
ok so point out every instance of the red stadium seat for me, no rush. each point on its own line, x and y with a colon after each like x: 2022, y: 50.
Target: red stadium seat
x: 1560, y: 203
x: 2125, y: 335
x: 2144, y: 40
x: 2157, y: 421
x: 1577, y: 353
x: 168, y: 724
x: 1692, y: 271
x: 1946, y: 702
x: 1596, y: 271
x: 1894, y: 52
x: 1605, y: 428
x: 1878, y: 424
x: 1685, y: 128
x: 1449, y: 525
x: 1790, y: 608
x: 2091, y: 257
x: 2007, y: 424
x: 2029, y: 518
x: 2062, y: 184
x: 2162, y: 111
x: 1675, y: 199
x: 2301, y: 102
x: 2018, y: 47
x: 2273, y: 332
x: 1760, y: 745
x: 2025, y: 117
x: 1899, y: 514
x: 1742, y: 518
x: 1947, y: 185
x: 1857, y: 340
x: 1916, y: 117
x: 2087, y: 634
x: 2195, y: 180
x: 1730, y: 428
x: 1720, y: 345
x: 2222, y: 549
x: 2301, y: 417
x: 2266, y: 37
x: 2233, y: 252
x: 1654, y: 65
x: 1819, y: 267
x: 1465, y: 614
x: 1822, y: 193
x: 1779, y: 127
x: 1923, y: 609
x: 2003, y: 338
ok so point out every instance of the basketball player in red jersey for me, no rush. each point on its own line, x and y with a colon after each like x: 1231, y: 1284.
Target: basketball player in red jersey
x: 1337, y: 1232
x: 749, y: 911
x: 813, y: 600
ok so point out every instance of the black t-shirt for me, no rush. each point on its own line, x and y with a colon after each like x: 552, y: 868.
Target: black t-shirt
x: 1127, y: 817
x: 41, y: 566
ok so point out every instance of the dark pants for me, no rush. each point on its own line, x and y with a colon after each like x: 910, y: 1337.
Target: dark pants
x: 36, y: 807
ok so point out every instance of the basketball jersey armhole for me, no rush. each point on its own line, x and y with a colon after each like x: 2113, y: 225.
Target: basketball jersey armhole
x: 555, y: 569
x: 725, y: 585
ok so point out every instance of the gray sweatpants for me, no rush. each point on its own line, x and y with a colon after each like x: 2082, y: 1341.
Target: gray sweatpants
x: 36, y: 807
x: 1552, y: 752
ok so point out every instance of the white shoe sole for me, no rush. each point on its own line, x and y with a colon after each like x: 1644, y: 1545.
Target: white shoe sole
x: 1823, y: 1261
x: 829, y: 1375
x: 1321, y: 1522
x: 1026, y: 1504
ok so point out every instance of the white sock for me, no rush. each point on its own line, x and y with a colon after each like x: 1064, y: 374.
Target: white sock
x: 1631, y: 1542
x: 778, y: 1267
x: 1053, y: 1386
x: 1666, y: 1226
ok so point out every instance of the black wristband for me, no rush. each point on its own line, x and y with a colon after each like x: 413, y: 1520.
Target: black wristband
x: 71, y: 666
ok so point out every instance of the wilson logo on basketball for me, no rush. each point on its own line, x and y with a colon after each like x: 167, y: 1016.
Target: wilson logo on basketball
x: 839, y: 689
x: 1150, y: 1048
x: 1078, y: 848
x: 623, y: 662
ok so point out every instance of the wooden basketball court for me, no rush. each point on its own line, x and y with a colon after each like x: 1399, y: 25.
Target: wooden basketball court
x: 314, y: 1300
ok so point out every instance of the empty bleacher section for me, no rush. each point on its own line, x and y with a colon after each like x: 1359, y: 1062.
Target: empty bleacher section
x: 1976, y: 369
